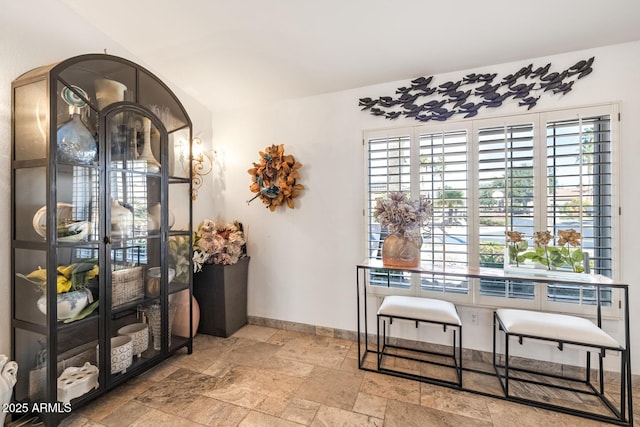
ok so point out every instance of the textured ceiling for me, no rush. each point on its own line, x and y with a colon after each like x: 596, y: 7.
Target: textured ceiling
x: 235, y: 53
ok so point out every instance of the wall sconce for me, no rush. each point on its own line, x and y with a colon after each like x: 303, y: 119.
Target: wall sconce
x: 201, y: 165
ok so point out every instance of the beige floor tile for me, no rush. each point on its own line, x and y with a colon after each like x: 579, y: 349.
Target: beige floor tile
x: 177, y: 391
x: 508, y: 414
x: 259, y: 419
x: 316, y: 350
x: 350, y: 364
x: 281, y: 337
x: 334, y: 417
x: 455, y: 402
x: 370, y: 405
x: 161, y: 371
x: 103, y: 407
x: 262, y: 355
x: 331, y: 387
x: 248, y: 351
x: 157, y: 418
x: 402, y: 414
x: 391, y: 387
x: 198, y: 361
x: 273, y: 405
x: 256, y: 333
x: 481, y: 382
x: 125, y: 415
x: 301, y: 411
x: 212, y: 412
x: 132, y: 389
x: 249, y: 387
x: 202, y: 342
x: 79, y: 421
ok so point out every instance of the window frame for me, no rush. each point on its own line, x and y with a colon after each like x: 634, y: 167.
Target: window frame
x: 472, y: 127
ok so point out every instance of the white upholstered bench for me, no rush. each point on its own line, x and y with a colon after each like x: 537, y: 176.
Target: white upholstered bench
x: 563, y: 330
x: 419, y: 310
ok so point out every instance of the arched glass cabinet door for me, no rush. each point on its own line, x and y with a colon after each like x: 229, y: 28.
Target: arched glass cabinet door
x: 135, y: 231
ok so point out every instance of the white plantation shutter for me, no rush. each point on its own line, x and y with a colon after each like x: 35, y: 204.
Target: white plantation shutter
x: 579, y: 196
x: 389, y: 169
x: 444, y: 179
x: 506, y: 199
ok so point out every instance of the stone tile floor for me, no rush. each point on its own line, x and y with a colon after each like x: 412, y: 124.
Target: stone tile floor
x: 269, y: 377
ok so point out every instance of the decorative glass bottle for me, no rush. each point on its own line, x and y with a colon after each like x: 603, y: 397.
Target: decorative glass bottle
x: 152, y: 164
x: 76, y: 143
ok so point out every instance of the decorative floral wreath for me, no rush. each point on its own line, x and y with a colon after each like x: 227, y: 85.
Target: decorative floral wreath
x: 274, y: 178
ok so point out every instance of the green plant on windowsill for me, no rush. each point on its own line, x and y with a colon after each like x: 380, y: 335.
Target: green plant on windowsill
x: 516, y: 246
x: 562, y: 256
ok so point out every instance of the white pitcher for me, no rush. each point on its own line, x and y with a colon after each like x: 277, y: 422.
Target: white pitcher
x: 8, y: 378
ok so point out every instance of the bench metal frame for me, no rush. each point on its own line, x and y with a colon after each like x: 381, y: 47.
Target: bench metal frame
x: 504, y: 374
x: 455, y: 355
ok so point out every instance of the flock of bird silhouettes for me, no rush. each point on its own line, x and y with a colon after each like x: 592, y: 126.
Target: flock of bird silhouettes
x: 475, y: 91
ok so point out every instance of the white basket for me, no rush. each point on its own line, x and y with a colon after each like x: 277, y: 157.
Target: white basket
x: 127, y: 285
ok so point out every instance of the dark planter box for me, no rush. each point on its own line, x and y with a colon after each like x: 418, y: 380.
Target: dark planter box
x: 221, y: 291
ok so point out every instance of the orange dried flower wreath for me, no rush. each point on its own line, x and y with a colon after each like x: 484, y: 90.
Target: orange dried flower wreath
x: 274, y: 178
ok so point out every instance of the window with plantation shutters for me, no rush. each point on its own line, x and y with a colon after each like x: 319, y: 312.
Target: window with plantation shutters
x: 444, y: 178
x: 389, y: 169
x: 579, y: 196
x: 535, y: 172
x: 505, y: 199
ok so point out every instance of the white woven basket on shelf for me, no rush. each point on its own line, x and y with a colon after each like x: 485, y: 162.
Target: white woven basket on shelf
x: 127, y: 285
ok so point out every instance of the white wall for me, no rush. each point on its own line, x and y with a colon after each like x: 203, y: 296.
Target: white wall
x: 39, y: 32
x: 303, y: 260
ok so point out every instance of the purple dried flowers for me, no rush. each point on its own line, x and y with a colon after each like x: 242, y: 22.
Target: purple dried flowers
x: 402, y: 215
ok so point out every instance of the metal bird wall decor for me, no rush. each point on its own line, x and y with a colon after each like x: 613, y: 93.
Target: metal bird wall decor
x: 424, y: 101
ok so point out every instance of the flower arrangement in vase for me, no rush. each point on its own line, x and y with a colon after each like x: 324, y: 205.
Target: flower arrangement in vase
x: 218, y: 243
x: 404, y: 219
x: 221, y: 265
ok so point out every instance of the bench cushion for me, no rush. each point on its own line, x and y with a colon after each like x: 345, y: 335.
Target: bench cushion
x: 425, y: 309
x: 560, y: 327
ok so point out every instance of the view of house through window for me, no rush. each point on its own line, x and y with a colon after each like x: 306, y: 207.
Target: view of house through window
x: 537, y: 172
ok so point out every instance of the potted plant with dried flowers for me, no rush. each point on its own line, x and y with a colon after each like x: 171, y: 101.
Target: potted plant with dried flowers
x: 220, y: 277
x: 404, y: 219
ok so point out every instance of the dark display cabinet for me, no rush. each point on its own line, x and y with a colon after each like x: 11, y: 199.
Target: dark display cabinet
x: 101, y: 205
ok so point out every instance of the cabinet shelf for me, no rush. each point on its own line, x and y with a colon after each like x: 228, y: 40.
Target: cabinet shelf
x: 177, y: 287
x: 117, y: 311
x: 136, y: 172
x: 178, y: 180
x: 76, y: 324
